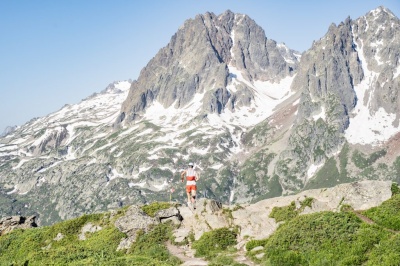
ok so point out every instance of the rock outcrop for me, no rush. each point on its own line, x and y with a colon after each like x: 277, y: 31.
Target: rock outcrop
x: 8, y: 224
x: 136, y: 220
x: 254, y: 222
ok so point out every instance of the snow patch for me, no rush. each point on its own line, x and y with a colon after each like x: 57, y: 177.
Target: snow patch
x: 313, y: 169
x: 216, y: 166
x: 321, y: 114
x: 141, y: 184
x: 12, y: 191
x: 162, y: 186
x: 366, y: 127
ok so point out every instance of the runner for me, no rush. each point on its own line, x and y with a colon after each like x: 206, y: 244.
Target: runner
x: 191, y: 178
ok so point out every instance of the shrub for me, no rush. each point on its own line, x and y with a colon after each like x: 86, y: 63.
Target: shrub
x: 285, y: 213
x: 255, y: 243
x: 395, y: 189
x: 324, y: 238
x: 214, y: 241
x: 307, y: 202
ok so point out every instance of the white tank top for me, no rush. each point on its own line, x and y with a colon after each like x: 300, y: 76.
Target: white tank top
x: 192, y: 173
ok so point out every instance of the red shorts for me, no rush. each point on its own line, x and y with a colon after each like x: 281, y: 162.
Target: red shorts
x: 189, y: 188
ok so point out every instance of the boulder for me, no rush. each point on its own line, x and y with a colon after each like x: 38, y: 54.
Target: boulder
x: 135, y: 220
x: 8, y: 224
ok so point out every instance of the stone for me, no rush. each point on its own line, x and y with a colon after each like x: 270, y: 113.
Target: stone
x: 257, y: 249
x: 88, y: 228
x: 8, y: 224
x: 135, y: 219
x: 58, y: 237
x: 260, y: 255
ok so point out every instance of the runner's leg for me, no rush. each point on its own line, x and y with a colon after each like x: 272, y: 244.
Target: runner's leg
x: 194, y: 198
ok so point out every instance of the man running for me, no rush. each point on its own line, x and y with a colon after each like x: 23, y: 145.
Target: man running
x: 191, y: 178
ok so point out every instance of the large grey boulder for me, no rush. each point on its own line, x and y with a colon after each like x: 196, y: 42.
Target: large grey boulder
x: 208, y: 215
x: 135, y: 220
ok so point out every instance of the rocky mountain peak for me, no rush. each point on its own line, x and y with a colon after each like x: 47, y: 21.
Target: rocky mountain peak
x: 199, y: 59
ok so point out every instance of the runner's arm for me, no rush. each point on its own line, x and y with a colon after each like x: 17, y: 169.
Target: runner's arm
x: 183, y: 175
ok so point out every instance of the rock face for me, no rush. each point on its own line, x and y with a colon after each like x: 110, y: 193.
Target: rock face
x: 8, y: 224
x: 345, y: 76
x: 197, y: 60
x: 254, y: 222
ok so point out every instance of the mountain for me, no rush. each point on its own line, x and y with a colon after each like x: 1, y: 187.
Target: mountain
x: 258, y: 119
x: 8, y: 130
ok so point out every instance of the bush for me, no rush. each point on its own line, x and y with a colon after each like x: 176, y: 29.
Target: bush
x: 285, y: 213
x: 324, y: 238
x: 255, y: 243
x: 395, y: 189
x: 214, y: 241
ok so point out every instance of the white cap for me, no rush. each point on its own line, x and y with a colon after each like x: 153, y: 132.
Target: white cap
x: 190, y: 164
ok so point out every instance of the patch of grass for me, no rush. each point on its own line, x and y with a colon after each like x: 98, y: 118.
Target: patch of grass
x: 152, y: 245
x: 307, y: 202
x: 237, y: 207
x: 255, y: 243
x: 387, y: 214
x: 212, y: 242
x: 386, y: 253
x: 223, y: 260
x: 289, y: 212
x: 154, y: 207
x: 285, y: 213
x: 362, y: 161
x: 395, y: 189
x: 324, y: 238
x: 328, y: 176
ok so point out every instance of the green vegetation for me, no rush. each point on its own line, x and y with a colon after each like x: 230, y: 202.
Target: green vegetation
x: 287, y: 213
x: 329, y: 175
x: 361, y: 161
x: 329, y: 238
x: 387, y: 214
x: 213, y: 242
x: 395, y: 189
x: 284, y: 213
x: 38, y: 246
x: 151, y: 245
x: 154, y: 207
x: 223, y: 260
x: 324, y: 238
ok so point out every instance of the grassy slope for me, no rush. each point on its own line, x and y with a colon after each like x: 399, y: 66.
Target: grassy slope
x: 328, y: 238
x: 37, y: 246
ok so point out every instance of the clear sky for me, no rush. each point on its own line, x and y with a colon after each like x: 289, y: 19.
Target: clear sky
x: 59, y: 52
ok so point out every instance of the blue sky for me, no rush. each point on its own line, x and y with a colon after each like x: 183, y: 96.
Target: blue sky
x: 58, y: 52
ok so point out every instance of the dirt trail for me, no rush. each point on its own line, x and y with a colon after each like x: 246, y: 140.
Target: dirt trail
x: 369, y: 221
x: 186, y: 255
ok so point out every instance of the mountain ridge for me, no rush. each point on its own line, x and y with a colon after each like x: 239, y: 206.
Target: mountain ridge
x: 259, y: 120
